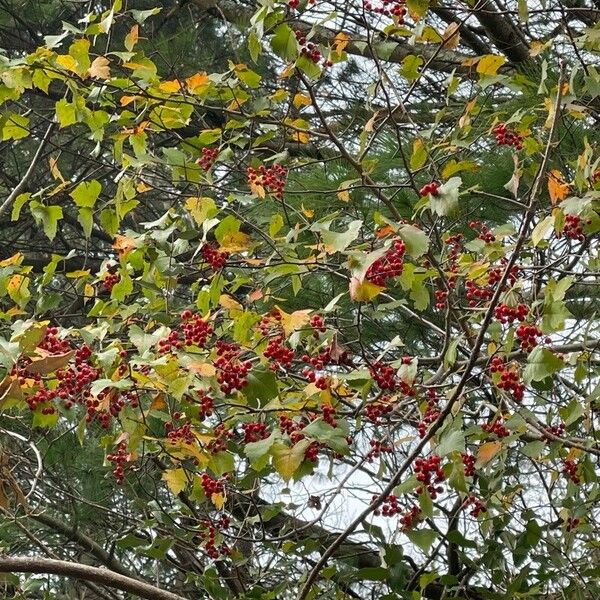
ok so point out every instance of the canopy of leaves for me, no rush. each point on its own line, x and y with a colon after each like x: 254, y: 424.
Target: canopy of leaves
x: 298, y: 299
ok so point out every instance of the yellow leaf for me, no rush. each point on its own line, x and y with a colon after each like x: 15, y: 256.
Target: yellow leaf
x: 234, y: 241
x: 557, y: 188
x: 77, y: 274
x: 17, y: 288
x: 236, y: 103
x: 489, y: 64
x: 99, y: 68
x: 125, y: 100
x: 53, y: 162
x: 486, y: 452
x: 67, y: 62
x: 363, y: 291
x: 132, y: 37
x: 176, y: 480
x: 257, y: 190
x: 287, y: 459
x: 170, y: 86
x: 308, y: 212
x: 88, y: 292
x: 451, y: 35
x: 198, y: 82
x: 201, y: 208
x: 294, y: 321
x: 142, y: 187
x: 218, y: 500
x: 229, y: 303
x: 340, y: 41
x: 302, y: 100
x: 15, y: 259
x: 301, y: 137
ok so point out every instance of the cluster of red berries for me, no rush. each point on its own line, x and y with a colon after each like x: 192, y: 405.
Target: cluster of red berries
x: 441, y: 299
x: 231, y: 371
x: 310, y: 50
x: 476, y: 294
x: 207, y: 406
x: 320, y: 381
x: 497, y: 427
x: 377, y: 448
x: 214, y: 257
x: 528, y: 336
x: 278, y: 354
x: 508, y: 314
x: 211, y: 486
x: 209, y: 534
x: 376, y: 410
x: 328, y: 414
x: 171, y: 342
x: 431, y: 413
x: 573, y: 228
x: 312, y: 452
x: 119, y: 458
x: 254, y: 432
x: 52, y: 343
x: 408, y: 519
x: 483, y: 231
x: 430, y: 189
x: 468, y: 461
x: 110, y: 280
x: 183, y: 433
x: 318, y: 324
x: 390, y: 265
x: 389, y: 508
x: 554, y: 431
x: 384, y: 376
x: 572, y: 523
x: 207, y: 158
x: 195, y: 329
x: 507, y: 137
x: 294, y: 4
x: 272, y: 179
x: 387, y: 8
x: 477, y: 506
x: 290, y: 427
x: 222, y: 435
x: 429, y: 473
x: 570, y: 470
x: 510, y: 380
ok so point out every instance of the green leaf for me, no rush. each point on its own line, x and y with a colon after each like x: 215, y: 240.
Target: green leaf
x: 334, y: 437
x: 410, y: 69
x: 258, y: 452
x: 66, y: 112
x: 262, y: 385
x: 419, y: 154
x: 18, y: 205
x: 423, y: 538
x: 452, y: 441
x: 416, y: 240
x: 86, y: 193
x: 541, y: 364
x: 446, y: 202
x: 14, y: 127
x: 284, y: 42
x: 48, y: 216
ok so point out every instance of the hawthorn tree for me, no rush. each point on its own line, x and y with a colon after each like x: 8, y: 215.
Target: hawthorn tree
x: 298, y: 300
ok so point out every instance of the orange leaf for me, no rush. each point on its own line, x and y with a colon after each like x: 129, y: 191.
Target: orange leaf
x: 557, y: 188
x: 123, y: 245
x: 196, y: 83
x: 50, y: 363
x: 340, y: 42
x: 486, y: 452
